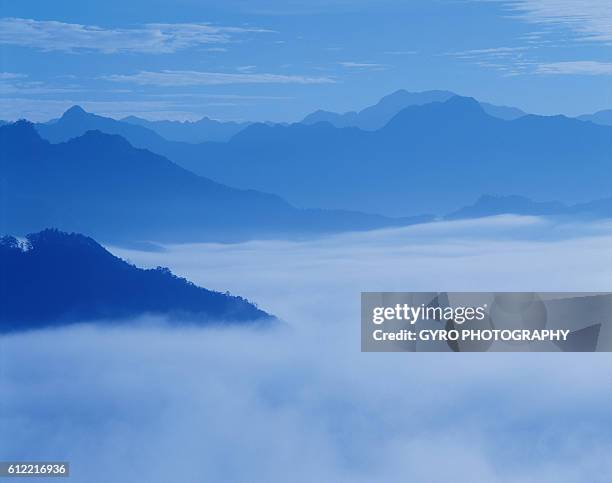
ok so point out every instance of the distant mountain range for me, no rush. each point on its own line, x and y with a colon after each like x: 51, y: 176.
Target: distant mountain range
x: 429, y: 158
x: 179, y: 140
x: 205, y: 129
x: 101, y: 185
x: 490, y: 205
x: 57, y: 278
x: 601, y: 117
x: 76, y: 121
x: 375, y: 117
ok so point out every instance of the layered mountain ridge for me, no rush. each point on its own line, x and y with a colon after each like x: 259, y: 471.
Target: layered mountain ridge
x: 101, y: 185
x: 71, y: 278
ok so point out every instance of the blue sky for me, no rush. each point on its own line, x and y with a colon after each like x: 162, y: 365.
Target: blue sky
x: 279, y: 60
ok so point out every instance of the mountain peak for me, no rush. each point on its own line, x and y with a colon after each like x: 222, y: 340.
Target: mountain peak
x: 464, y: 104
x: 133, y: 119
x: 20, y: 133
x: 402, y: 98
x: 95, y: 137
x: 423, y: 97
x: 75, y: 111
x: 21, y: 125
x: 51, y: 239
x: 450, y: 112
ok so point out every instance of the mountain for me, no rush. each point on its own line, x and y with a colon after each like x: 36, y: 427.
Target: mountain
x: 182, y: 141
x: 489, y: 205
x: 57, y: 278
x: 100, y: 184
x: 599, y: 208
x: 376, y: 116
x: 205, y: 129
x: 507, y: 113
x: 601, y: 117
x: 76, y: 121
x: 202, y: 158
x: 427, y: 159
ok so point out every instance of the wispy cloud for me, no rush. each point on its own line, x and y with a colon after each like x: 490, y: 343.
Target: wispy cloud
x: 17, y: 83
x: 11, y: 76
x: 577, y: 21
x: 507, y: 60
x: 246, y: 68
x: 36, y: 88
x: 516, y: 60
x: 49, y: 35
x: 363, y: 65
x: 493, y: 51
x: 589, y: 20
x: 578, y: 67
x: 400, y: 52
x: 168, y: 78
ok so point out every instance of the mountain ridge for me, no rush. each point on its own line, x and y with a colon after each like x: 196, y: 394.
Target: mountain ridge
x: 376, y: 116
x: 603, y: 117
x: 194, y: 132
x: 74, y: 279
x: 100, y: 184
x: 443, y: 153
x: 453, y: 147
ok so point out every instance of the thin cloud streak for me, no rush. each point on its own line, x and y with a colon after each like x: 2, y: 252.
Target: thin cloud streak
x: 578, y: 67
x: 11, y: 76
x: 589, y: 20
x: 152, y: 38
x: 363, y: 65
x: 169, y: 78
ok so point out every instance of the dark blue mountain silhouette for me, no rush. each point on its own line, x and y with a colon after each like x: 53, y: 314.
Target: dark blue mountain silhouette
x: 205, y: 129
x: 429, y: 158
x: 57, y: 278
x: 600, y: 117
x: 376, y: 116
x: 101, y: 185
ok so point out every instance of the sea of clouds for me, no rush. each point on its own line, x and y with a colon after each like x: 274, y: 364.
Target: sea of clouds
x: 300, y: 402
